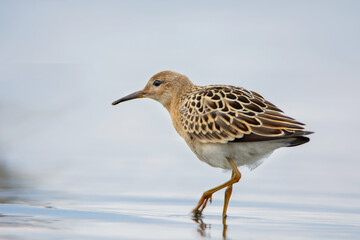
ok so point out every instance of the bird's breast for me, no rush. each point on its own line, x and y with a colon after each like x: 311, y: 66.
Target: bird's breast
x: 248, y: 154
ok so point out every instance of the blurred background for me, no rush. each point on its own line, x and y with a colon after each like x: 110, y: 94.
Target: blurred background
x: 62, y: 64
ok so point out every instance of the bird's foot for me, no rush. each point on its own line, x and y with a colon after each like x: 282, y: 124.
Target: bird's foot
x: 197, y: 211
x: 196, y: 214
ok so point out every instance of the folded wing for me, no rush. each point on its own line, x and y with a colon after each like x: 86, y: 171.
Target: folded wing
x: 220, y: 114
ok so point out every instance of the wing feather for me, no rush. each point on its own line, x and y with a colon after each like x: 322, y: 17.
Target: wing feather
x: 220, y: 114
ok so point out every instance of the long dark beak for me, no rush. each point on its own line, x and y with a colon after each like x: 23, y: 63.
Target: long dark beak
x: 139, y: 94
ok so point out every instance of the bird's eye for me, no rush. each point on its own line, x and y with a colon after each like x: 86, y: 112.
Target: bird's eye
x: 157, y: 83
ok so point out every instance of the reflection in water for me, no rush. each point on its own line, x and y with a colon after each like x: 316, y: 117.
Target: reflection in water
x: 224, y: 228
x: 204, y: 229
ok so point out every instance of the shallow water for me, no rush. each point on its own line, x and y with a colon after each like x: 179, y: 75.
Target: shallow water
x: 29, y: 214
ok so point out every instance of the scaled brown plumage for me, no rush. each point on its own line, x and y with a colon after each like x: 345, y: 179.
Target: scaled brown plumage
x: 221, y: 113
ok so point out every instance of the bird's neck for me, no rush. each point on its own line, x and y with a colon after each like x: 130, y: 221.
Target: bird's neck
x: 172, y: 105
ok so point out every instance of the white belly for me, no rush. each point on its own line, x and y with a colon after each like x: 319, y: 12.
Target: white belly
x: 248, y: 154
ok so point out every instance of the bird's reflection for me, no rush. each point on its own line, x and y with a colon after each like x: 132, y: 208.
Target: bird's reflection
x: 225, y: 226
x: 204, y: 229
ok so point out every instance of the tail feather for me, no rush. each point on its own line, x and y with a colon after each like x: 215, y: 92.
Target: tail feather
x: 298, y: 141
x: 298, y: 137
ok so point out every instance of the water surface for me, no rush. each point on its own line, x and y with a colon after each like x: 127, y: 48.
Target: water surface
x: 28, y: 214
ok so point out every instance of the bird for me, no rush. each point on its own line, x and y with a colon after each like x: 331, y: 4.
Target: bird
x: 225, y: 126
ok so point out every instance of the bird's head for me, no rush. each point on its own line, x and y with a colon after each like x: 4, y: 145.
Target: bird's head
x: 162, y: 87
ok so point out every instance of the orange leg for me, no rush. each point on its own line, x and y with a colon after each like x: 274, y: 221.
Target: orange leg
x: 207, y: 195
x: 228, y: 192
